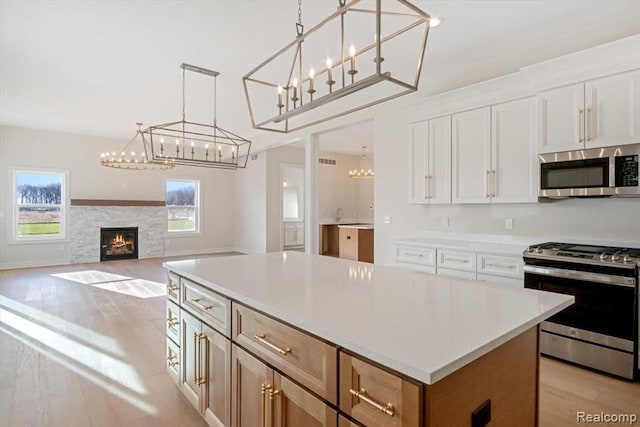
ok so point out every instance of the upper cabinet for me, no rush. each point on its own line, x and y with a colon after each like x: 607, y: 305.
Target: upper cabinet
x: 514, y: 171
x: 471, y: 156
x: 599, y: 113
x: 430, y: 161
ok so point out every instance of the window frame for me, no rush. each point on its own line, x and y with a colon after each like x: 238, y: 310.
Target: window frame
x: 198, y: 209
x: 15, y: 206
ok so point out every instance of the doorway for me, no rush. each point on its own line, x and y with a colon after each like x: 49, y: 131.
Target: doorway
x: 292, y: 207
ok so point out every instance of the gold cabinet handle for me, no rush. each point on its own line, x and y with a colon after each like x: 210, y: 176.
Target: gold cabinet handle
x: 272, y: 392
x: 264, y: 389
x: 172, y: 321
x: 201, y: 378
x: 195, y: 358
x: 196, y: 302
x: 362, y: 395
x: 172, y: 287
x: 493, y: 183
x: 580, y: 126
x: 261, y: 338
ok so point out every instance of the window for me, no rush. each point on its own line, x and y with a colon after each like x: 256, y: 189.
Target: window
x: 183, y: 205
x: 39, y: 208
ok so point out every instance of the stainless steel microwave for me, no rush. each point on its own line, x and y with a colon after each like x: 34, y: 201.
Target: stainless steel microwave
x: 607, y: 171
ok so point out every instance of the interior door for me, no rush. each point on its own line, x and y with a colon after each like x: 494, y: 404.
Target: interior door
x: 251, y: 381
x: 290, y: 405
x: 216, y: 368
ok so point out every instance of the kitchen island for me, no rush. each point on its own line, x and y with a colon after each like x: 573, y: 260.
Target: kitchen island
x: 293, y: 339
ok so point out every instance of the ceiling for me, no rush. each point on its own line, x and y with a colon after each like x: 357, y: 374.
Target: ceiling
x: 98, y: 67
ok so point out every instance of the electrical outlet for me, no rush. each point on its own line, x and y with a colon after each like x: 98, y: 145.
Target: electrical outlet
x: 386, y: 219
x: 508, y: 223
x: 445, y: 221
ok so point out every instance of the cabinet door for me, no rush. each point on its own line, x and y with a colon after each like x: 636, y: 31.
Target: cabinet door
x: 613, y: 110
x: 216, y: 369
x: 348, y: 243
x: 290, y: 405
x: 561, y: 119
x: 250, y: 382
x: 513, y: 158
x: 418, y: 140
x: 471, y: 156
x: 190, y: 332
x: 439, y: 161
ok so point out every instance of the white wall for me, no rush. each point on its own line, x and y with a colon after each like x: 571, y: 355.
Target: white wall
x: 249, y: 209
x: 79, y: 154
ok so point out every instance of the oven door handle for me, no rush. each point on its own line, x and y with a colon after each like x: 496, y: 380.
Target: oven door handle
x: 627, y: 282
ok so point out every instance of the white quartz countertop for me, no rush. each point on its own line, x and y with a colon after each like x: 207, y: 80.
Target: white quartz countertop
x: 464, y: 245
x: 421, y: 325
x: 358, y: 226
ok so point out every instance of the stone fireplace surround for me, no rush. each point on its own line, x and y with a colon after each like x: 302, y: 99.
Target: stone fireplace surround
x: 86, y: 217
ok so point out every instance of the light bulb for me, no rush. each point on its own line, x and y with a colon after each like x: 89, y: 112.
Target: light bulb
x: 177, y: 142
x: 192, y: 144
x: 352, y: 51
x: 434, y: 22
x: 133, y: 154
x: 122, y: 154
x: 329, y: 63
x: 206, y: 145
x: 162, y: 140
x: 312, y: 73
x: 295, y: 82
x: 279, y: 90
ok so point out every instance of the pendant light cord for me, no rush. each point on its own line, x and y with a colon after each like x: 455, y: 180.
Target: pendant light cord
x: 183, y: 94
x: 299, y: 26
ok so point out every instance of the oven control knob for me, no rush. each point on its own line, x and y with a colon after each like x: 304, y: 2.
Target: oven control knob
x: 538, y: 250
x: 531, y: 249
x: 615, y: 258
x: 626, y: 258
x: 604, y: 257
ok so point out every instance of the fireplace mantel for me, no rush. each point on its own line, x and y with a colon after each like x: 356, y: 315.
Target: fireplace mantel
x: 106, y: 202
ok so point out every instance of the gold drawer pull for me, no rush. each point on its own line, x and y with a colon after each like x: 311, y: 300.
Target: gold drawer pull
x: 510, y: 267
x: 261, y: 338
x: 362, y: 395
x: 173, y: 362
x: 172, y: 321
x: 196, y: 302
x: 172, y: 287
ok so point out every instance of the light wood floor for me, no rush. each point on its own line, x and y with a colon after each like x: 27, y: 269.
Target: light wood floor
x: 85, y: 348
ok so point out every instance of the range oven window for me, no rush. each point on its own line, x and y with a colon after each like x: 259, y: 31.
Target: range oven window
x: 603, y: 308
x: 590, y: 173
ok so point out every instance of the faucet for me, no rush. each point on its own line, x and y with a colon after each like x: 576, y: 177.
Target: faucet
x: 339, y: 214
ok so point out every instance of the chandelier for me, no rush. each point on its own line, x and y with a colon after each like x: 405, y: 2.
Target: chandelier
x: 361, y: 55
x: 128, y: 159
x: 365, y: 166
x: 198, y: 144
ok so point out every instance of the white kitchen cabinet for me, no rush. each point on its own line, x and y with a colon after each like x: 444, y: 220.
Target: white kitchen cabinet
x: 471, y: 156
x: 514, y: 166
x: 613, y: 110
x: 293, y: 234
x: 517, y: 283
x: 430, y: 161
x: 599, y: 113
x: 456, y: 273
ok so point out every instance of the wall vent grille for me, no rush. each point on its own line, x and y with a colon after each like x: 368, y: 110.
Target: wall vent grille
x: 331, y: 162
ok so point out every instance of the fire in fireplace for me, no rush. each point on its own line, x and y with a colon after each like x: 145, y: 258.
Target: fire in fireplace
x: 118, y: 243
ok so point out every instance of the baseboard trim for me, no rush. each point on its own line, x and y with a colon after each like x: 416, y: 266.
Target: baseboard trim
x: 248, y: 251
x: 33, y: 264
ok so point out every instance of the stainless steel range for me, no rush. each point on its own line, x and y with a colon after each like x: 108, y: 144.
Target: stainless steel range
x: 600, y: 330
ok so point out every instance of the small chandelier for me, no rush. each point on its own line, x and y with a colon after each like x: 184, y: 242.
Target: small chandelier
x: 343, y: 56
x: 364, y: 171
x: 198, y: 144
x: 128, y: 159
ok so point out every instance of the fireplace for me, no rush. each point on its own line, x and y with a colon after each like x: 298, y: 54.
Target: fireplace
x: 118, y: 243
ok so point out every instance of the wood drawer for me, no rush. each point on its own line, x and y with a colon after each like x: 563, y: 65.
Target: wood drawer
x: 423, y: 256
x: 501, y: 265
x: 464, y: 261
x: 212, y: 308
x: 306, y: 359
x: 173, y: 287
x: 173, y: 361
x: 376, y: 397
x: 343, y: 422
x: 173, y: 321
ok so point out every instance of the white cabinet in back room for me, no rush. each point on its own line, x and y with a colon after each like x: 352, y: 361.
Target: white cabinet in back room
x: 602, y: 112
x: 430, y: 161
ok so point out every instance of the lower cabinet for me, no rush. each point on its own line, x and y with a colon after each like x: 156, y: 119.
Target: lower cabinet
x: 205, y: 372
x: 262, y: 397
